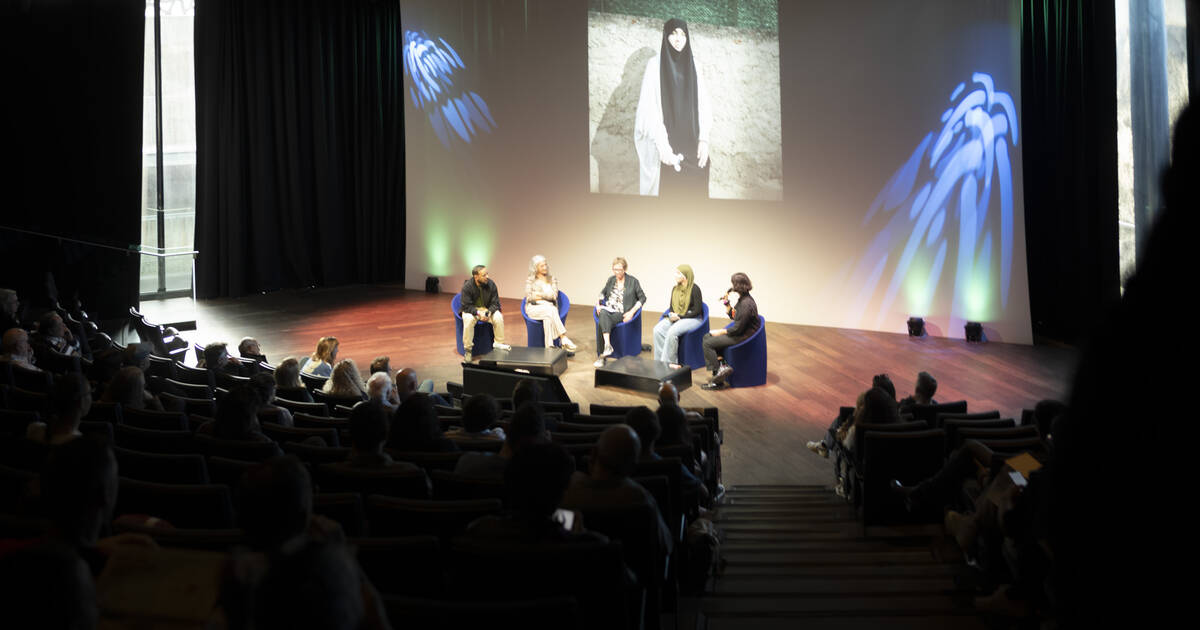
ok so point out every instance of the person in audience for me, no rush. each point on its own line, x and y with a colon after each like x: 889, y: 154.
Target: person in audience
x: 923, y: 392
x: 875, y: 406
x: 541, y: 303
x: 345, y: 381
x: 369, y: 425
x: 645, y: 423
x: 10, y: 307
x: 669, y: 394
x: 249, y: 348
x: 415, y: 427
x: 70, y: 401
x: 263, y: 384
x: 534, y: 482
x: 824, y: 445
x: 218, y: 361
x: 128, y: 387
x: 480, y: 412
x: 287, y: 381
x: 320, y: 363
x: 16, y: 349
x: 620, y: 300
x: 683, y: 316
x: 607, y: 483
x: 407, y: 384
x: 884, y: 382
x: 237, y: 417
x: 382, y: 364
x: 53, y: 334
x: 743, y: 310
x: 674, y: 431
x: 275, y: 511
x: 47, y: 586
x: 526, y: 427
x: 381, y: 390
x: 527, y: 390
x: 137, y: 355
x: 481, y: 303
x: 318, y: 586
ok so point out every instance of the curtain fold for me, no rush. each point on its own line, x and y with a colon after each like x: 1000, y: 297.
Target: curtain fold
x: 1068, y: 93
x: 299, y: 145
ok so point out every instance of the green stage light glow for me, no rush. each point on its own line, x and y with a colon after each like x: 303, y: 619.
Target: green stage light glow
x: 437, y: 243
x: 477, y: 242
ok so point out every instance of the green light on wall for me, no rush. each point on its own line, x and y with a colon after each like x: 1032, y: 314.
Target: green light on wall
x: 476, y: 244
x: 980, y: 299
x: 437, y: 244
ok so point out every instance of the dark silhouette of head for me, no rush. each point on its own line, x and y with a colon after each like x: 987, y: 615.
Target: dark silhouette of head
x: 536, y: 479
x: 645, y: 423
x: 274, y: 502
x: 480, y: 412
x: 884, y: 382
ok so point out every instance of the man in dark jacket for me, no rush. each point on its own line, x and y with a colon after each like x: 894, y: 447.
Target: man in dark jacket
x: 481, y: 303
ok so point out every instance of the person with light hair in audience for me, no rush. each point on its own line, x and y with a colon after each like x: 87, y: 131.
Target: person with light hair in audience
x: 128, y: 387
x: 287, y: 381
x: 381, y: 390
x: 382, y: 363
x: 16, y: 349
x: 407, y: 384
x: 248, y: 348
x: 345, y: 381
x: 320, y: 363
x: 923, y: 392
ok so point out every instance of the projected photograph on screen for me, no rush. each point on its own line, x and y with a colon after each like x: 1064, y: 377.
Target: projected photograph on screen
x: 683, y: 99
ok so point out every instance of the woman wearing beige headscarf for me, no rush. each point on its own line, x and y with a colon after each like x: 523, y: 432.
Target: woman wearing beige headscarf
x: 684, y: 316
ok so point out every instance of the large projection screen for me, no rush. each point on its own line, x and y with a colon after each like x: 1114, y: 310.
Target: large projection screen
x: 865, y: 155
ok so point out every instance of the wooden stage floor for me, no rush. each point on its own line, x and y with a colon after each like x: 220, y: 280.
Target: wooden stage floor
x: 811, y: 370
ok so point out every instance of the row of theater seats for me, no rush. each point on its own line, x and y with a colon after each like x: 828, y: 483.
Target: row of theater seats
x: 917, y: 447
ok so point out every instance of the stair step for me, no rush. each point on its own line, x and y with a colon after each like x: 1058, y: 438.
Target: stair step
x: 890, y: 572
x: 900, y: 605
x: 808, y: 586
x: 818, y: 546
x: 775, y: 558
x: 943, y: 622
x: 750, y: 488
x: 785, y: 535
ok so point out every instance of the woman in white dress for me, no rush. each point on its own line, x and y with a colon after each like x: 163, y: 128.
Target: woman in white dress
x: 541, y: 302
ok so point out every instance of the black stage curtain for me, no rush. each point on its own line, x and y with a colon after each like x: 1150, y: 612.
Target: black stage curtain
x: 71, y: 123
x: 1068, y: 93
x: 299, y: 144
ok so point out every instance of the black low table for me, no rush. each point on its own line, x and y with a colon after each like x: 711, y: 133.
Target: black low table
x: 539, y: 361
x: 643, y: 375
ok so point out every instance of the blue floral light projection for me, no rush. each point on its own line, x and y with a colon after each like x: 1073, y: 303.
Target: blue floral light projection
x: 430, y: 67
x: 941, y: 207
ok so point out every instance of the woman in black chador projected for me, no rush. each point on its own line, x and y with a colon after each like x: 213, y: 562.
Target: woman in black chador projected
x: 673, y: 120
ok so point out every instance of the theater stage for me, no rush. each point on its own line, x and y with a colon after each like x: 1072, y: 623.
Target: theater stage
x: 811, y: 371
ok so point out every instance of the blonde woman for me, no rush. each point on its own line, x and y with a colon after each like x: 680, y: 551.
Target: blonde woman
x: 541, y: 302
x: 321, y: 361
x: 345, y: 381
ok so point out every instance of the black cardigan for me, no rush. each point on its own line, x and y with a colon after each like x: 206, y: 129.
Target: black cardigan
x: 633, y: 291
x: 695, y: 307
x: 745, y: 321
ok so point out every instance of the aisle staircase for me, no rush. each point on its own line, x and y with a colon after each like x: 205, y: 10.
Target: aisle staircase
x: 796, y: 557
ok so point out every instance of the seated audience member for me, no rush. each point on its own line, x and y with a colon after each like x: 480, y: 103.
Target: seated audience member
x: 874, y: 406
x: 381, y: 390
x: 218, y: 361
x: 47, y: 585
x: 923, y: 392
x: 382, y: 364
x: 137, y: 355
x: 669, y: 394
x: 674, y: 431
x: 526, y: 427
x: 128, y: 387
x: 70, y: 400
x: 824, y: 445
x: 10, y: 308
x: 480, y: 412
x: 317, y: 586
x: 369, y: 425
x: 884, y: 382
x: 274, y: 501
x: 534, y: 482
x: 53, y: 334
x: 607, y: 483
x: 415, y: 427
x: 345, y: 381
x: 249, y: 348
x: 645, y: 423
x: 320, y: 363
x: 16, y: 349
x: 527, y: 391
x: 264, y: 385
x: 407, y: 385
x: 287, y: 381
x: 237, y: 417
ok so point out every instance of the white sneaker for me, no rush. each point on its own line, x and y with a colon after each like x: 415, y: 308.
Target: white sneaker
x: 608, y: 350
x: 501, y: 346
x: 467, y: 356
x: 569, y: 345
x: 599, y: 363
